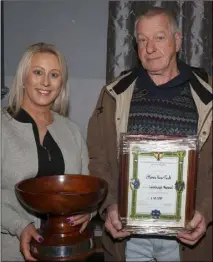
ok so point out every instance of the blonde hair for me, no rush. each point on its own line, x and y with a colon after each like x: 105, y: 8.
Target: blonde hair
x: 16, y: 92
x: 154, y: 11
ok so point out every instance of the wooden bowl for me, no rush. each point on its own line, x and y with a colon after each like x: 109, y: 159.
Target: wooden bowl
x: 62, y: 194
x: 60, y: 197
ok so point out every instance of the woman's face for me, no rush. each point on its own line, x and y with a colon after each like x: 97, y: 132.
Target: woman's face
x: 43, y: 81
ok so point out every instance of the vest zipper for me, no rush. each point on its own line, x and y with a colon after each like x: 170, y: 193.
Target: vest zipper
x: 48, y: 152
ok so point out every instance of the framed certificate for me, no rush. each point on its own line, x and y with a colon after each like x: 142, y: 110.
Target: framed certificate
x: 157, y: 183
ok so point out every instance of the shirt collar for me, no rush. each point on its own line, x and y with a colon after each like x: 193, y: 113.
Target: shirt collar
x: 23, y: 117
x: 185, y: 75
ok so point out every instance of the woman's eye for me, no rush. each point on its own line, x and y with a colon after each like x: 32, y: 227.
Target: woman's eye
x: 37, y: 72
x: 54, y: 75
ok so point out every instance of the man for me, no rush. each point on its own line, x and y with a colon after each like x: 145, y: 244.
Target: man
x: 162, y: 97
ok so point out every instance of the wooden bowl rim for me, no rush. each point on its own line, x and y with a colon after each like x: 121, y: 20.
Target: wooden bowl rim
x: 17, y: 189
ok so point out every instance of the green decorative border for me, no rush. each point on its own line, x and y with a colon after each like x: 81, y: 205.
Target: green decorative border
x: 179, y: 185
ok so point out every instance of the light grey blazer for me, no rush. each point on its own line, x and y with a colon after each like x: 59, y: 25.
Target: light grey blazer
x: 19, y: 159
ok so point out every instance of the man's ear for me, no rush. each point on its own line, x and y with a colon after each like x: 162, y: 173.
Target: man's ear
x: 178, y: 41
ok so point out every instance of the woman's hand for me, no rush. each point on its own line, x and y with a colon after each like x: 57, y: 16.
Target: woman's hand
x: 27, y: 235
x: 79, y: 219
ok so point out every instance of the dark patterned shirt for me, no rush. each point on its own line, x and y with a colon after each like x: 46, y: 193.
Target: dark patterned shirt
x: 168, y: 109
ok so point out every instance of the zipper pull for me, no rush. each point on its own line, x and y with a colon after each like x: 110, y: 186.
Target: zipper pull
x: 48, y: 152
x: 49, y: 156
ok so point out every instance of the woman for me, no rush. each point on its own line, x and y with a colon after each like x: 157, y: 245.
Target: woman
x: 37, y: 139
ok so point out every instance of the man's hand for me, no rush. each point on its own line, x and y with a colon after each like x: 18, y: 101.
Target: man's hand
x: 198, y: 227
x: 26, y: 236
x: 113, y: 224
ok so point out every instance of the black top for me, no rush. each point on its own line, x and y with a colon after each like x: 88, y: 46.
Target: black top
x: 50, y: 158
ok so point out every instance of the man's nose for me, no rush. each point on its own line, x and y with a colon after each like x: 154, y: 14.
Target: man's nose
x: 150, y: 47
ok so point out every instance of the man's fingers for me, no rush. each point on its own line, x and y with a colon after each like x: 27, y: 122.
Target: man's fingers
x: 198, y: 219
x: 198, y: 227
x: 189, y: 237
x: 113, y: 224
x: 188, y: 242
x: 118, y: 234
x: 193, y: 236
x: 116, y: 224
x: 114, y: 219
x: 114, y: 232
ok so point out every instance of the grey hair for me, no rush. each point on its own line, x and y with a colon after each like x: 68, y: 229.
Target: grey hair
x: 16, y: 92
x: 154, y: 11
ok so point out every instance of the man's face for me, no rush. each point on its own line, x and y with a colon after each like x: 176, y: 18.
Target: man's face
x: 157, y: 44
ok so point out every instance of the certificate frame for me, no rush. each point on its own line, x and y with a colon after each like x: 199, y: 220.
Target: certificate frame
x: 156, y: 222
